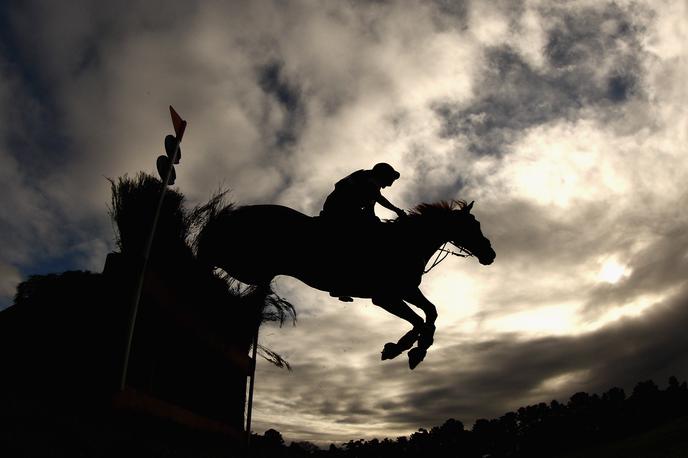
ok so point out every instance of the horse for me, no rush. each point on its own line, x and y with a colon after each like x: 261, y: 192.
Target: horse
x: 382, y: 261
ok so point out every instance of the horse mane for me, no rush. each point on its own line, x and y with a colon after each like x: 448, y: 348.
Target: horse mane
x: 442, y: 206
x: 430, y: 210
x: 437, y: 208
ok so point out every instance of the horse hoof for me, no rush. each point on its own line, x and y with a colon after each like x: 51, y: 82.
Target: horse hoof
x: 390, y: 351
x: 416, y: 355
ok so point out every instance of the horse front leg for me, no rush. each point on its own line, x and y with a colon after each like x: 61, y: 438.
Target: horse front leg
x: 427, y: 332
x: 417, y: 298
x: 392, y: 350
x: 399, y: 308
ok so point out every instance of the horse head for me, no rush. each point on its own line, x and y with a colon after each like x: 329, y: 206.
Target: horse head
x: 465, y: 233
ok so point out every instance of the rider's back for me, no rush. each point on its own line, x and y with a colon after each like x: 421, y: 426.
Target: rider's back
x: 352, y: 195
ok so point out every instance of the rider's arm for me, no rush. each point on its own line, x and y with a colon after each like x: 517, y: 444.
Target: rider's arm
x: 380, y: 199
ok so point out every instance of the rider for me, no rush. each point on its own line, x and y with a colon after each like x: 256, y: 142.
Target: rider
x: 354, y: 197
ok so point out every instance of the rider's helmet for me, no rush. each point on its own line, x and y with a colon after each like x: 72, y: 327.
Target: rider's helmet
x: 385, y: 173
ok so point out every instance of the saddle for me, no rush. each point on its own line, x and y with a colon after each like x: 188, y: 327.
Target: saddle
x: 353, y: 234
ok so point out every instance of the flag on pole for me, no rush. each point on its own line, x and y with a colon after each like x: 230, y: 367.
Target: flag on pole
x: 178, y: 123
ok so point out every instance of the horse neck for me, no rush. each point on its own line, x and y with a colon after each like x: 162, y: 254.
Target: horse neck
x: 428, y: 237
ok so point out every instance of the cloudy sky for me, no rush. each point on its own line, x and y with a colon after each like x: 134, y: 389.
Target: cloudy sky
x: 566, y: 122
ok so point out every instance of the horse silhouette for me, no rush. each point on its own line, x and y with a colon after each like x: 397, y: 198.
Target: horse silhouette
x: 380, y: 261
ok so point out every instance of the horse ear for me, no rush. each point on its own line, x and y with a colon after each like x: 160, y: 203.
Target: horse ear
x: 469, y: 206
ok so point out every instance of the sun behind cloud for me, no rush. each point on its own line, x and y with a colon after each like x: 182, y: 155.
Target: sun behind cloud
x: 612, y: 271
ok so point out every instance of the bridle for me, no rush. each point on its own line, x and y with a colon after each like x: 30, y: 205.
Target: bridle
x: 442, y: 254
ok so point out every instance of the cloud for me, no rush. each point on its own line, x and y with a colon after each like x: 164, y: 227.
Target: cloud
x: 9, y: 279
x: 27, y: 220
x: 654, y: 269
x: 565, y: 122
x: 510, y: 371
x: 471, y: 379
x: 272, y: 80
x: 592, y: 61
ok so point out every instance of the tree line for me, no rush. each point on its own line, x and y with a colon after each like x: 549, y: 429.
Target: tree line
x: 535, y: 430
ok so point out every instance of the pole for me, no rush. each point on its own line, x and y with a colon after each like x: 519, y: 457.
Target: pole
x: 249, y: 408
x: 144, y: 264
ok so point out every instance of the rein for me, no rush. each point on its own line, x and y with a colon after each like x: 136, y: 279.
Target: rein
x: 442, y: 255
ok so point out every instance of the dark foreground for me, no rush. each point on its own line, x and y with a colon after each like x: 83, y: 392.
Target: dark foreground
x: 651, y: 422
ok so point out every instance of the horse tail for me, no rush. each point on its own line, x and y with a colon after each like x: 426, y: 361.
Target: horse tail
x: 208, y: 219
x: 215, y: 221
